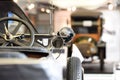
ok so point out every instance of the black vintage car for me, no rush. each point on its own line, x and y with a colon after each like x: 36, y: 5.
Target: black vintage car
x: 22, y: 56
x: 88, y: 26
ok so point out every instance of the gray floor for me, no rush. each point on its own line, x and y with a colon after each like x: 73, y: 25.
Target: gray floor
x: 95, y: 68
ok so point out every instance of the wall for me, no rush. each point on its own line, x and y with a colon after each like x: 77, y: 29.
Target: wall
x: 61, y: 19
x: 111, y: 34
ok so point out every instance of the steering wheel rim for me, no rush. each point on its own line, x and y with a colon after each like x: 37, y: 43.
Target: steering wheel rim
x: 29, y: 27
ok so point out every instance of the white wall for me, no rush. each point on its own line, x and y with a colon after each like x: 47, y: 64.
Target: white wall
x: 61, y: 18
x: 112, y: 24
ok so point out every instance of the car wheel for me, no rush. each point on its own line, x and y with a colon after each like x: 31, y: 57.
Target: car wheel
x: 74, y: 70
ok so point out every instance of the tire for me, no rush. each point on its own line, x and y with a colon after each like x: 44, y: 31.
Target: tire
x: 74, y: 70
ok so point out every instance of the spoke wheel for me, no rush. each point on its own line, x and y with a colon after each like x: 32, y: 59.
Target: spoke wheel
x: 13, y: 32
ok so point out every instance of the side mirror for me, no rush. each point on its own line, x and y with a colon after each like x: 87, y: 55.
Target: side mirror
x: 66, y: 34
x: 63, y: 37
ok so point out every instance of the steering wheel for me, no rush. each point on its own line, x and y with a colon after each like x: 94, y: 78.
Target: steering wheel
x: 13, y: 32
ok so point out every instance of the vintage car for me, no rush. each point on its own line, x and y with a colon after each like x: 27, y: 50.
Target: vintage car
x: 23, y: 57
x: 87, y: 25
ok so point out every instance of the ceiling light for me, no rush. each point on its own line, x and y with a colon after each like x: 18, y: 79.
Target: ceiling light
x: 15, y: 1
x: 42, y: 9
x: 110, y: 6
x: 68, y: 9
x: 31, y: 6
x: 73, y: 8
x: 47, y: 10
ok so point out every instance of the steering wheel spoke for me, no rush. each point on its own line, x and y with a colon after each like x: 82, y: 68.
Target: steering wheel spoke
x: 5, y: 44
x: 16, y: 28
